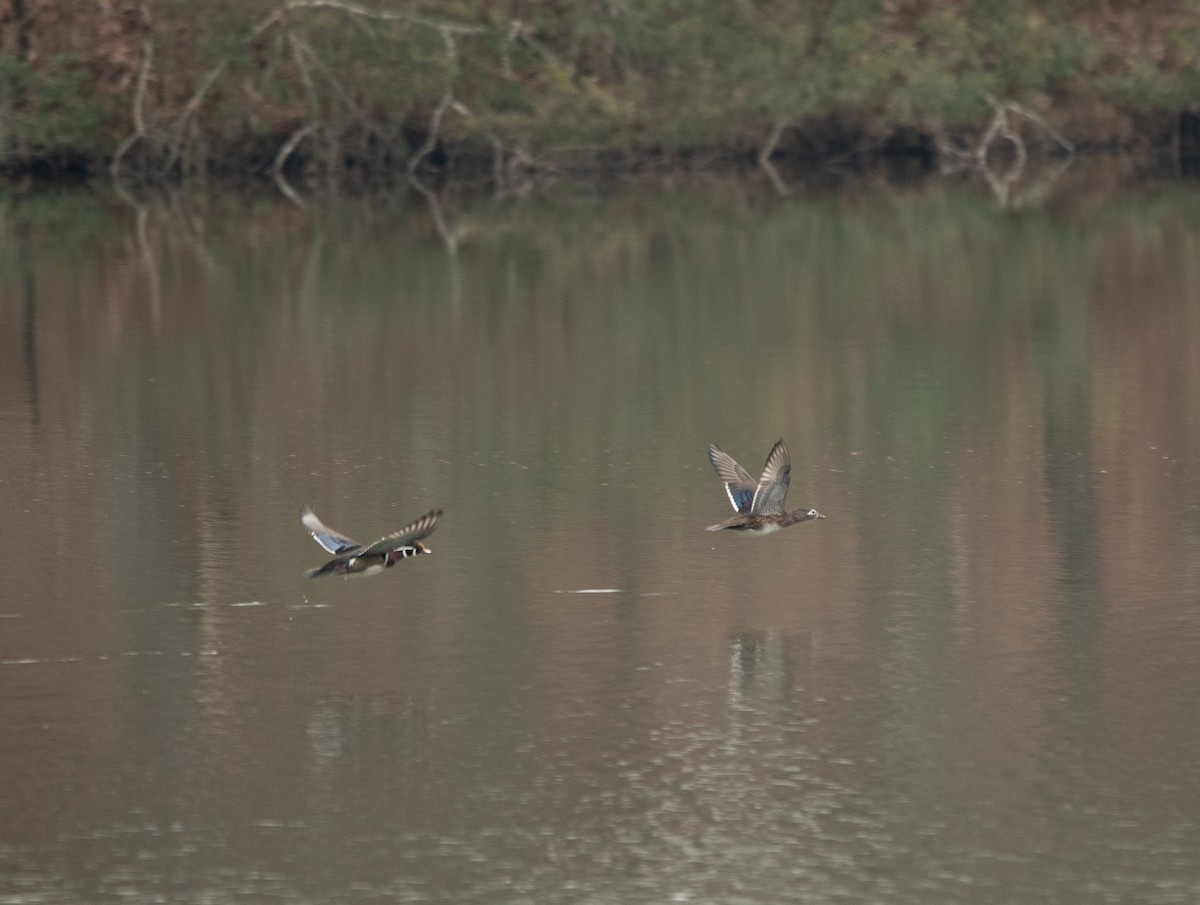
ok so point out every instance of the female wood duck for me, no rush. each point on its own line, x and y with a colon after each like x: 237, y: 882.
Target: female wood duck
x: 759, y: 506
x: 352, y: 558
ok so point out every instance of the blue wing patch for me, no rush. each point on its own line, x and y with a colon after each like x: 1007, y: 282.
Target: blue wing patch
x: 741, y: 497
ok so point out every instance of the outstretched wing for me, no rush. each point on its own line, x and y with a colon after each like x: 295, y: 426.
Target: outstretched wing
x: 773, y: 488
x: 406, y: 536
x: 738, y: 483
x: 328, y: 538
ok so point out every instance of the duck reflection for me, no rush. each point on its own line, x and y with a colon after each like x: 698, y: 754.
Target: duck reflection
x: 761, y: 675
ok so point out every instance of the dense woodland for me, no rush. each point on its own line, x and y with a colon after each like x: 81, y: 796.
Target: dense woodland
x: 347, y: 90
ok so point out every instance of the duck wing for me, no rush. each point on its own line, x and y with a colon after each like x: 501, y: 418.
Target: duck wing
x: 406, y: 536
x: 738, y: 484
x: 328, y: 538
x: 773, y: 487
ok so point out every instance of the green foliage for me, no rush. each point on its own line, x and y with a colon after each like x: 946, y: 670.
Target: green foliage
x: 674, y: 75
x: 1141, y: 85
x: 48, y: 109
x: 562, y: 109
x: 1141, y: 81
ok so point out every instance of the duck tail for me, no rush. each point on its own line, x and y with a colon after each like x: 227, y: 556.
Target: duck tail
x: 326, y: 569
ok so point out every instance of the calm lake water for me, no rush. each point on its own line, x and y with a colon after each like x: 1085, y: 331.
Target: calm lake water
x: 977, y: 681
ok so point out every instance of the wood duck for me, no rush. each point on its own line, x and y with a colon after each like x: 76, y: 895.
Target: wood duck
x: 352, y: 558
x: 759, y: 505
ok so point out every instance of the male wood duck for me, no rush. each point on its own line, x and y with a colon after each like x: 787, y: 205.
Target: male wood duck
x: 759, y: 505
x: 352, y: 558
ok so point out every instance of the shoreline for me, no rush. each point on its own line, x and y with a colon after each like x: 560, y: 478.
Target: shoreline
x: 349, y: 94
x: 783, y: 173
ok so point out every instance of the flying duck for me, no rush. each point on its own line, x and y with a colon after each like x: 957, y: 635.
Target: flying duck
x: 353, y: 558
x: 759, y: 505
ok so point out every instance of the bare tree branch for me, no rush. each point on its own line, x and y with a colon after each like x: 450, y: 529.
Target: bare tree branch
x: 310, y: 90
x: 356, y: 9
x: 304, y: 57
x: 138, y: 114
x: 1045, y: 126
x: 518, y: 29
x: 765, y: 152
x: 447, y: 100
x: 281, y: 161
x: 338, y: 88
x: 1004, y: 182
x: 189, y: 109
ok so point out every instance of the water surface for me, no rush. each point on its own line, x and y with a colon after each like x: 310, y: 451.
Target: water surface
x: 976, y: 681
